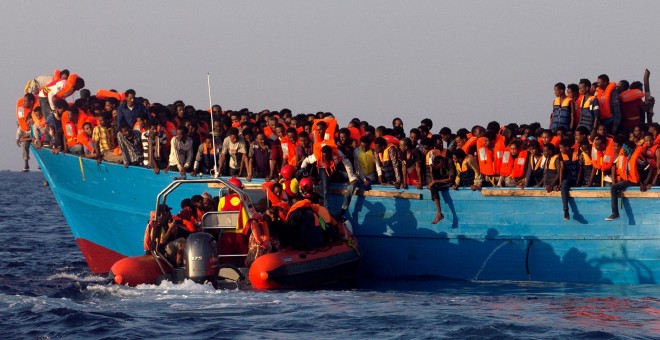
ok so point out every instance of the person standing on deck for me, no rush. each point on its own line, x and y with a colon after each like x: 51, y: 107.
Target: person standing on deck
x: 130, y: 144
x: 608, y: 99
x: 467, y: 171
x: 589, y: 114
x: 562, y: 109
x: 128, y: 111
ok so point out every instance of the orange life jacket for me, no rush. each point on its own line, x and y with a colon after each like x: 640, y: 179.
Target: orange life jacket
x: 604, y: 100
x: 518, y: 170
x: 70, y: 131
x: 68, y: 88
x: 269, y: 133
x: 627, y: 168
x: 86, y: 141
x: 555, y: 141
x: 468, y: 144
x: 105, y: 94
x: 322, y: 164
x: 272, y: 198
x: 329, y: 137
x: 22, y: 114
x: 603, y: 160
x: 355, y: 134
x: 507, y: 163
x: 288, y: 151
x: 631, y: 95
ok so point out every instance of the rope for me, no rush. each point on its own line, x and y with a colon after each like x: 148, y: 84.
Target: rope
x: 82, y: 169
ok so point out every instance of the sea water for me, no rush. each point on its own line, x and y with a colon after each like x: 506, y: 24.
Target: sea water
x: 46, y: 291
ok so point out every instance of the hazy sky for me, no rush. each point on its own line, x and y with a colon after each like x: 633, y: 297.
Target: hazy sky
x: 459, y: 63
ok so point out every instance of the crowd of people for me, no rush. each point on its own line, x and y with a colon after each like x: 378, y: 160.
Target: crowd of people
x: 600, y: 133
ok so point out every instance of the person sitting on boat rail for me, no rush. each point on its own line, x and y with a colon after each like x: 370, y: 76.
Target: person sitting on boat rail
x: 206, y: 157
x: 626, y: 169
x: 181, y: 152
x: 104, y: 139
x: 442, y: 178
x: 130, y: 145
x: 233, y: 147
x: 467, y: 171
x: 153, y: 144
x: 388, y: 163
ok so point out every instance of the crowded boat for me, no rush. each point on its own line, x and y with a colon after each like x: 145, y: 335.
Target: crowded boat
x: 598, y: 134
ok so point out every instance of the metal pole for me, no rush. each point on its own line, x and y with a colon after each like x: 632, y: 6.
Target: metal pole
x: 216, y: 173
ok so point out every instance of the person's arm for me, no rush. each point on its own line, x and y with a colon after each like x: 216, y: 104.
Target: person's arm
x: 394, y: 157
x: 189, y: 153
x: 478, y: 179
x: 418, y: 170
x: 615, y: 107
x: 379, y: 168
x: 573, y: 122
x: 559, y: 165
x: 349, y: 168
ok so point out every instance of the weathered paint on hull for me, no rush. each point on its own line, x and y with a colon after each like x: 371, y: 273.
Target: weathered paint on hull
x: 482, y: 237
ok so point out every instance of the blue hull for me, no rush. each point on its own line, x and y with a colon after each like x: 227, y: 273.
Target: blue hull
x: 493, y: 235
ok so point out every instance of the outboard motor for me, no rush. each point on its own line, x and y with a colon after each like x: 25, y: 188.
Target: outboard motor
x: 201, y: 258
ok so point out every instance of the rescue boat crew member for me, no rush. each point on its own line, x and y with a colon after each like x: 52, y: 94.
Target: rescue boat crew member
x: 234, y: 241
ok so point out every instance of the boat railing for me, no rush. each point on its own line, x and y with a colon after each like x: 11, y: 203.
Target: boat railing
x: 246, y: 201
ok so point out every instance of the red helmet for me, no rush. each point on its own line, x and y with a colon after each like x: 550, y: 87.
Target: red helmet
x: 306, y: 184
x: 287, y: 171
x: 236, y: 182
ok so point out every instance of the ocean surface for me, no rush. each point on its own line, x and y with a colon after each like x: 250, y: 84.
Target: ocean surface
x: 47, y: 292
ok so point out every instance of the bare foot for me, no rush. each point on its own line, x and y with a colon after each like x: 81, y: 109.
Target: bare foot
x: 438, y: 218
